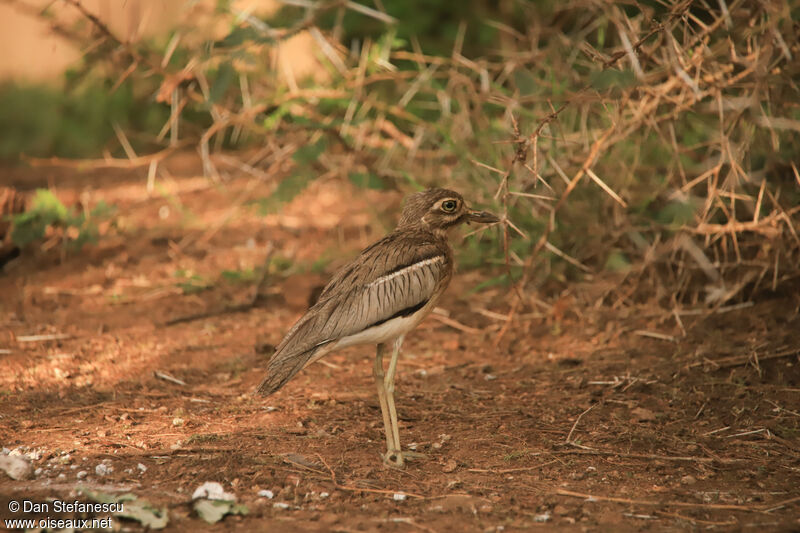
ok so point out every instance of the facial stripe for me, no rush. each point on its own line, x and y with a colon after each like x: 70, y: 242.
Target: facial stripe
x: 455, y: 221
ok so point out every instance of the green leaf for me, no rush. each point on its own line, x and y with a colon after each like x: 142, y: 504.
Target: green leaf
x: 239, y: 276
x: 272, y: 121
x: 610, y: 78
x: 310, y: 152
x: 525, y: 81
x: 212, y: 511
x: 240, y: 35
x: 298, y: 180
x: 46, y: 202
x: 676, y: 214
x: 133, y: 508
x: 102, y: 210
x: 286, y: 190
x: 225, y: 76
x: 617, y: 262
x: 502, y: 279
x: 46, y: 209
x: 145, y: 513
x: 366, y: 180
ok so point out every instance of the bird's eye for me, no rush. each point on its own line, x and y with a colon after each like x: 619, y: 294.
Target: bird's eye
x: 448, y: 206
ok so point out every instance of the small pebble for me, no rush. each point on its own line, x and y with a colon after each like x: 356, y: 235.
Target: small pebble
x: 141, y: 467
x: 266, y: 494
x: 280, y: 505
x: 103, y: 469
x: 544, y: 517
x: 15, y: 466
x: 450, y: 466
x: 399, y: 497
x: 688, y: 480
x: 211, y: 490
x: 82, y: 474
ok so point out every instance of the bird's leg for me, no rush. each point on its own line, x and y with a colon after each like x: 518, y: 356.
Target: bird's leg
x: 395, y: 456
x: 379, y: 381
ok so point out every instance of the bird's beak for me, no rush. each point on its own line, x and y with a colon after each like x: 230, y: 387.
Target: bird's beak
x: 481, y: 217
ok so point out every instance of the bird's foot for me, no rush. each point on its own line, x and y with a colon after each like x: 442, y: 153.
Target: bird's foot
x: 397, y: 458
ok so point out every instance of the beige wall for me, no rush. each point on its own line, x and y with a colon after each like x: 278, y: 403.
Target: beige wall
x: 33, y: 52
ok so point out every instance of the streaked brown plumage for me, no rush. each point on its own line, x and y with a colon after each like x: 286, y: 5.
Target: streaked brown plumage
x: 380, y: 296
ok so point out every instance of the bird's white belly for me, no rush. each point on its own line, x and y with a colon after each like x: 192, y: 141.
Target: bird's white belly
x: 389, y: 330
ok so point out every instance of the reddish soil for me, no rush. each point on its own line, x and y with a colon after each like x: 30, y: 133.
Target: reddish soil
x: 576, y: 420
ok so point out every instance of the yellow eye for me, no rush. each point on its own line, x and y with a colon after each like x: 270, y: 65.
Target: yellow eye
x: 448, y: 206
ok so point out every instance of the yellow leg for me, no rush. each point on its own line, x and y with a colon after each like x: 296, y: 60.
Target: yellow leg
x: 395, y: 456
x: 389, y: 386
x: 379, y: 381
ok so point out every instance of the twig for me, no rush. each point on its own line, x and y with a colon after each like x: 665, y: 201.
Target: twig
x: 230, y: 309
x: 719, y: 506
x: 91, y: 164
x: 575, y: 425
x: 455, y: 324
x: 43, y: 338
x: 359, y: 489
x: 167, y: 377
x: 511, y: 470
x: 683, y: 459
x: 655, y: 335
x: 745, y: 359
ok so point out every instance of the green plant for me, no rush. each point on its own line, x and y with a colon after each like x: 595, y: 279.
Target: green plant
x: 191, y: 283
x: 48, y: 212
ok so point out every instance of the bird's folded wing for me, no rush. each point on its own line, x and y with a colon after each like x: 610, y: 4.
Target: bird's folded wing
x: 369, y: 291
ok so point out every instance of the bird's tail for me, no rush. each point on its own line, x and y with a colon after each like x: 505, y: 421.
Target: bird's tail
x: 282, y: 368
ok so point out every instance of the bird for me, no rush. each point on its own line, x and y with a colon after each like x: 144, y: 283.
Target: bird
x: 381, y: 295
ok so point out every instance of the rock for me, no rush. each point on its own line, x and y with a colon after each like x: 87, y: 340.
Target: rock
x: 15, y: 466
x: 211, y: 490
x: 560, y: 510
x: 266, y: 494
x: 103, y: 469
x: 688, y: 480
x: 450, y: 466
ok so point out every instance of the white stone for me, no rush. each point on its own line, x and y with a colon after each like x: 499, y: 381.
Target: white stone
x: 211, y: 490
x: 15, y: 466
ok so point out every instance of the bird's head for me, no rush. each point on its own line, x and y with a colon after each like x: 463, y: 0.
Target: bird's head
x: 439, y: 210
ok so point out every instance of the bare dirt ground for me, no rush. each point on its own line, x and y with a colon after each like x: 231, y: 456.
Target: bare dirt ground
x: 580, y: 419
